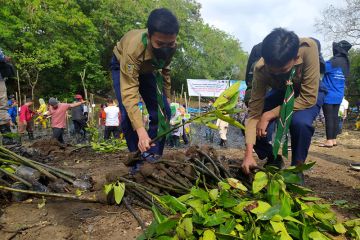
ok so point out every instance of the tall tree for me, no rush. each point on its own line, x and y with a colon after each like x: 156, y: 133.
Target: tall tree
x: 341, y: 22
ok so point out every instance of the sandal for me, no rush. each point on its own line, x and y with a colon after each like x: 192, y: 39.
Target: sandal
x: 326, y: 146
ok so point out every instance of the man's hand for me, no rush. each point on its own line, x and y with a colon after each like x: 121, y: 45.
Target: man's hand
x: 263, y: 123
x: 144, y: 140
x: 249, y: 161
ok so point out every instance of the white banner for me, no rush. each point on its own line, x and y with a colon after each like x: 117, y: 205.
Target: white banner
x: 206, y: 88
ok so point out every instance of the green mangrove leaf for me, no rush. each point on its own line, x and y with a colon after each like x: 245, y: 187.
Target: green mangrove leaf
x: 310, y: 199
x: 108, y: 188
x: 226, y: 95
x: 213, y: 194
x: 316, y: 235
x: 260, y: 181
x: 228, y: 227
x: 200, y: 193
x: 339, y: 228
x: 173, y: 203
x: 217, y: 218
x: 166, y: 226
x: 119, y: 190
x: 159, y: 218
x: 227, y: 200
x: 261, y: 208
x: 209, y: 235
x: 235, y: 183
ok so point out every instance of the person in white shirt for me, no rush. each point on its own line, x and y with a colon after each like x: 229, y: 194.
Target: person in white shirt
x: 112, y: 120
x: 344, y: 106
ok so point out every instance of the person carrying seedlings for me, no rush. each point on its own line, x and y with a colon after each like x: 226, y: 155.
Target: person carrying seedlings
x: 57, y: 111
x: 140, y: 66
x: 112, y: 120
x: 26, y: 119
x: 290, y: 67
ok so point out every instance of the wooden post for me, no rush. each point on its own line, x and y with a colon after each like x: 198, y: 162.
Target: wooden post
x: 186, y: 103
x: 199, y: 103
x: 91, y: 107
x: 181, y: 93
x: 82, y: 75
x: 18, y: 81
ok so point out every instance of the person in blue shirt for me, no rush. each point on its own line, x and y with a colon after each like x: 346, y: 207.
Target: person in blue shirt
x: 12, y: 111
x: 337, y: 70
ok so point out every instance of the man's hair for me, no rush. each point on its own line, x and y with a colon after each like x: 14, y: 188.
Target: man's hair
x: 279, y: 47
x: 162, y: 20
x: 110, y: 101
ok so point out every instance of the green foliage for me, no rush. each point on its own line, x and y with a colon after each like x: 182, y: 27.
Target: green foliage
x: 55, y: 40
x: 270, y: 211
x: 223, y: 107
x: 353, y: 84
x: 98, y: 144
x: 116, y: 189
x: 109, y: 146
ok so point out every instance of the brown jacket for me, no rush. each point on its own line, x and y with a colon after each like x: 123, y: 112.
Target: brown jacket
x: 306, y: 83
x: 134, y: 60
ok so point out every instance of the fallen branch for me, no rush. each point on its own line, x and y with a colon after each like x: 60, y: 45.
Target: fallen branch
x: 51, y: 194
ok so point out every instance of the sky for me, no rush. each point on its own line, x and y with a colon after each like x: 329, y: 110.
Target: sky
x: 251, y: 20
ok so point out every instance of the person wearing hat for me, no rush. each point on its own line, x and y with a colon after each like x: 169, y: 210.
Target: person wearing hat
x: 140, y: 66
x: 337, y: 70
x: 26, y: 119
x: 57, y: 111
x: 79, y: 119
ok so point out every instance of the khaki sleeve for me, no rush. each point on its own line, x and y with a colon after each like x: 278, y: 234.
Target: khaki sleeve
x: 256, y: 106
x: 311, y: 79
x: 167, y: 81
x: 129, y: 88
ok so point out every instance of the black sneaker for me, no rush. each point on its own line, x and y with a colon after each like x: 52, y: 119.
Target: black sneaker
x: 278, y: 162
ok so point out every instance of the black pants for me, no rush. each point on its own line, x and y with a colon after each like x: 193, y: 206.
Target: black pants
x: 5, y: 129
x: 331, y: 120
x: 79, y: 127
x: 111, y: 129
x: 58, y: 134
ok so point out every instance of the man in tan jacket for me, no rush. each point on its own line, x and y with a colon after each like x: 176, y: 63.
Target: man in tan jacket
x: 283, y: 52
x: 139, y: 58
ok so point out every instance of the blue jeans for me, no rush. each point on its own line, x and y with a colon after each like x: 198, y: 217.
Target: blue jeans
x: 301, y: 128
x: 147, y: 89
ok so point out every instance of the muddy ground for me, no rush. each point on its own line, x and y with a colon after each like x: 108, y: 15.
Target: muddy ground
x: 330, y: 179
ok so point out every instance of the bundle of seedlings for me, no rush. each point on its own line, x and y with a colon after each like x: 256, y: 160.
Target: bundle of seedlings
x: 25, y: 174
x: 274, y: 206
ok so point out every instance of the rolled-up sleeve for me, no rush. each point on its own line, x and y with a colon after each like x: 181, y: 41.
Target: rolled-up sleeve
x: 129, y: 87
x: 311, y: 79
x: 256, y: 106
